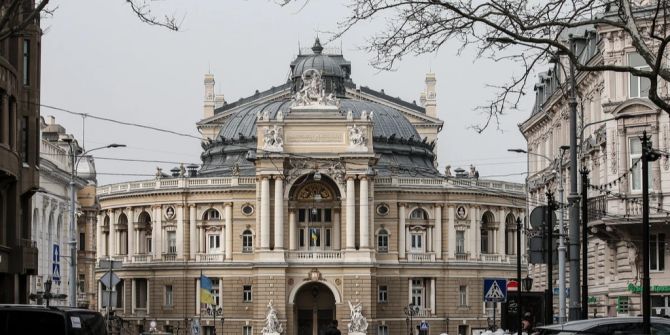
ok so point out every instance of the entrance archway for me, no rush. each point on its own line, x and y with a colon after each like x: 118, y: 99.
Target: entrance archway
x: 314, y: 309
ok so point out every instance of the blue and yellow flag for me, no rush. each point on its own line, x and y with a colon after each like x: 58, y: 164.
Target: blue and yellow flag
x: 315, y: 234
x: 206, y: 296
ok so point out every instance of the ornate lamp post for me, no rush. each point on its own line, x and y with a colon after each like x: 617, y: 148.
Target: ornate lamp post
x: 410, y: 311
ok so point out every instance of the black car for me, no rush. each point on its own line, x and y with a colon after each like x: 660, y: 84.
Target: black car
x: 608, y: 326
x: 36, y: 319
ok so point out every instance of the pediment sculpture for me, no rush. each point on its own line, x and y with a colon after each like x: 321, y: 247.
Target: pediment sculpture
x: 273, y: 139
x: 357, y: 138
x: 312, y: 92
x: 358, y: 324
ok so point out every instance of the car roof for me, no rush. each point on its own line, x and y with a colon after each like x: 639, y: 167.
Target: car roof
x: 581, y: 325
x: 42, y: 307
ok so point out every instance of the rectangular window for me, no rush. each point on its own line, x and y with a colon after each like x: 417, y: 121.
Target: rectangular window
x: 2, y: 116
x: 417, y: 292
x: 462, y: 295
x: 168, y: 295
x: 383, y: 330
x: 327, y: 215
x: 622, y: 305
x: 82, y: 283
x: 416, y: 242
x: 383, y: 241
x: 485, y: 241
x: 141, y: 293
x: 247, y: 242
x: 215, y: 291
x: 82, y: 241
x: 509, y: 242
x: 119, y: 295
x: 460, y: 242
x: 246, y: 293
x: 657, y: 252
x: 26, y: 62
x: 301, y: 240
x: 149, y: 244
x: 301, y: 215
x: 635, y: 164
x: 327, y: 238
x: 214, y: 243
x: 246, y: 330
x: 638, y: 87
x: 314, y: 237
x: 172, y: 242
x: 24, y: 139
x: 315, y: 215
x: 382, y: 294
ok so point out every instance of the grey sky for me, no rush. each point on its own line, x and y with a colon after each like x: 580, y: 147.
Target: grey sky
x: 98, y: 58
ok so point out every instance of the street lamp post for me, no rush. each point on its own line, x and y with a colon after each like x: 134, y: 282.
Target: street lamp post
x: 74, y: 162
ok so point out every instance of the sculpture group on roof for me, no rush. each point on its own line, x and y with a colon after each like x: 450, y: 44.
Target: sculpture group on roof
x: 312, y: 92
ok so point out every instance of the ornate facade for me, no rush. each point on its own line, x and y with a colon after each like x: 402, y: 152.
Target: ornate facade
x: 613, y: 112
x: 316, y: 200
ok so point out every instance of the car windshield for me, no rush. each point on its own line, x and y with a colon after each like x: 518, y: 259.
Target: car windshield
x: 630, y: 328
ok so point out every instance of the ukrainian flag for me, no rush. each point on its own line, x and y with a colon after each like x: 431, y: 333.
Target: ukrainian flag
x: 206, y: 296
x: 315, y: 235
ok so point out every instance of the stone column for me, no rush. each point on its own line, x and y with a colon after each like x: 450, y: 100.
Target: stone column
x: 401, y: 231
x: 451, y: 233
x: 133, y: 296
x: 476, y: 231
x: 158, y: 235
x: 432, y: 296
x: 112, y: 234
x: 279, y: 213
x: 131, y: 232
x: 203, y: 240
x: 265, y: 213
x: 437, y: 244
x: 351, y: 213
x: 364, y: 223
x: 193, y: 235
x: 197, y: 296
x: 180, y: 231
x: 429, y: 239
x: 501, y: 233
x: 292, y: 230
x: 228, y: 215
x: 99, y: 235
x: 336, y: 230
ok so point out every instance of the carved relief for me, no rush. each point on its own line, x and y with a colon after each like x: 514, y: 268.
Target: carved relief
x: 613, y: 151
x: 273, y: 139
x: 357, y: 136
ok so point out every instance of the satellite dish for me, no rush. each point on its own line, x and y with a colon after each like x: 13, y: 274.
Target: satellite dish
x: 538, y: 217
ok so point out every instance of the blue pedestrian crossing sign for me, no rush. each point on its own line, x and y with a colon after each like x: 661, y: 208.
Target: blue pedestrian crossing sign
x: 55, y: 273
x: 495, y: 290
x: 56, y: 253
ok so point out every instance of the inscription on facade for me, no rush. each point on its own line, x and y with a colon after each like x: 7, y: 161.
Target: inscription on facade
x: 312, y: 137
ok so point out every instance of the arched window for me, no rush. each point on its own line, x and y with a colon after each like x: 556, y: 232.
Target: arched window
x: 247, y: 241
x: 418, y: 214
x: 211, y: 215
x: 144, y: 224
x: 487, y: 243
x: 383, y: 241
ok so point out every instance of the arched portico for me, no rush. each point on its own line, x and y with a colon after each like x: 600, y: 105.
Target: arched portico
x: 314, y: 307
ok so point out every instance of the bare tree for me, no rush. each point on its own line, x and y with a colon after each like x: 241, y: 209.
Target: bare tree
x: 16, y: 15
x: 528, y: 32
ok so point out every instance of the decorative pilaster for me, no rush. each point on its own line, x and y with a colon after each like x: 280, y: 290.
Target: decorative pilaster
x: 351, y: 213
x: 265, y: 213
x: 336, y: 230
x: 364, y: 227
x: 99, y: 235
x: 437, y: 244
x: 193, y: 235
x: 279, y: 213
x: 157, y: 233
x: 228, y: 216
x: 401, y: 231
x: 113, y: 234
x: 501, y: 232
x: 451, y: 233
x: 131, y: 232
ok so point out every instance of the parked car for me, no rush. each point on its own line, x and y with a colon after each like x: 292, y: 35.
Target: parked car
x: 608, y: 326
x: 37, y: 319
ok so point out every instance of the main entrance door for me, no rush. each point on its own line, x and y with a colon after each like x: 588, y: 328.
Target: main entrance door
x: 314, y: 309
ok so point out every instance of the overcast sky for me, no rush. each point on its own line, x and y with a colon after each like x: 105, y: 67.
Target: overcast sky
x: 98, y: 58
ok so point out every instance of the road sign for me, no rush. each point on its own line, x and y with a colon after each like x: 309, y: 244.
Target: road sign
x: 110, y: 279
x: 495, y: 290
x: 538, y: 217
x: 56, y: 253
x: 55, y: 272
x: 423, y: 325
x: 512, y: 285
x: 105, y: 264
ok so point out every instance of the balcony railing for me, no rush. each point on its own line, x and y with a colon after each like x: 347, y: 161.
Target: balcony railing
x: 494, y: 258
x: 462, y: 256
x: 146, y: 258
x: 597, y: 207
x: 169, y: 257
x: 423, y: 313
x: 209, y: 257
x: 314, y: 256
x: 421, y: 257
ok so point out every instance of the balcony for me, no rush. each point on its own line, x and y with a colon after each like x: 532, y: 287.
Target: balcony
x: 423, y: 313
x: 145, y: 258
x: 208, y: 258
x: 494, y: 258
x: 314, y: 256
x: 25, y: 257
x: 421, y: 257
x: 169, y: 257
x: 462, y: 256
x: 597, y: 207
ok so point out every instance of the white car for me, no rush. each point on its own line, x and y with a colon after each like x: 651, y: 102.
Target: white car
x: 608, y: 326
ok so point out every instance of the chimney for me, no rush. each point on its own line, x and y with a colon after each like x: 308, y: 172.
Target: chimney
x: 209, y: 96
x: 431, y: 96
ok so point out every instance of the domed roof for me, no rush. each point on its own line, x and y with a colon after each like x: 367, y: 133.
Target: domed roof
x: 318, y: 61
x: 394, y: 137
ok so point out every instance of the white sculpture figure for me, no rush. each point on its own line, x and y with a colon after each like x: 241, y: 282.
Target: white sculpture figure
x: 259, y: 116
x: 312, y: 92
x: 266, y: 116
x: 364, y: 116
x: 272, y: 139
x: 358, y: 324
x: 272, y: 324
x: 357, y: 136
x: 280, y: 116
x: 350, y: 116
x: 372, y: 113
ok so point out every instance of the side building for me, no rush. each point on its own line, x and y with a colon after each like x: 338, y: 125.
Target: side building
x: 313, y: 196
x: 19, y: 149
x: 613, y: 113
